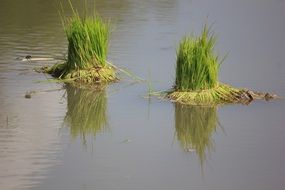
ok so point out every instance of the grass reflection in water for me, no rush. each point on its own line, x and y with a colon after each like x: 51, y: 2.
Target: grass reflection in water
x: 86, y: 112
x: 194, y: 127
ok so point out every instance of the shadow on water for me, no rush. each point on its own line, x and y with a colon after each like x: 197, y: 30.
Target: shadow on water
x: 86, y: 112
x: 194, y: 127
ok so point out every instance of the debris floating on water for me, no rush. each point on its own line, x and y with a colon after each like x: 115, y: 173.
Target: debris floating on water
x: 28, y: 94
x: 126, y: 141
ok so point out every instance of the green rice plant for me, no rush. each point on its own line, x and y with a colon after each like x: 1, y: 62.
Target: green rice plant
x: 86, y: 112
x: 197, y: 66
x: 197, y: 70
x: 195, y: 126
x: 88, y: 40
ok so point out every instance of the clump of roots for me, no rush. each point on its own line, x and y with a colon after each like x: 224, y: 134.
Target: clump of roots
x: 221, y: 94
x: 95, y: 75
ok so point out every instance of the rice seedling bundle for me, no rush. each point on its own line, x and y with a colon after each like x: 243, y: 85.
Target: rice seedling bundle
x: 88, y: 40
x: 197, y: 66
x: 197, y: 70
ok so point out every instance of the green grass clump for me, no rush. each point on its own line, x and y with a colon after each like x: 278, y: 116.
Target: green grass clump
x: 197, y: 66
x: 195, y: 126
x: 197, y: 70
x: 88, y: 40
x: 86, y: 112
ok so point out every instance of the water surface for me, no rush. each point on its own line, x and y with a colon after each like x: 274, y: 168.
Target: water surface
x: 116, y: 139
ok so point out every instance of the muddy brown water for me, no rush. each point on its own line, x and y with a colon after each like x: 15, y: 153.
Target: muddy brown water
x: 116, y: 139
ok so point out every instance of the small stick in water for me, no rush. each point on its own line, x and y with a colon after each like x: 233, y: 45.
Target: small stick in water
x: 29, y: 94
